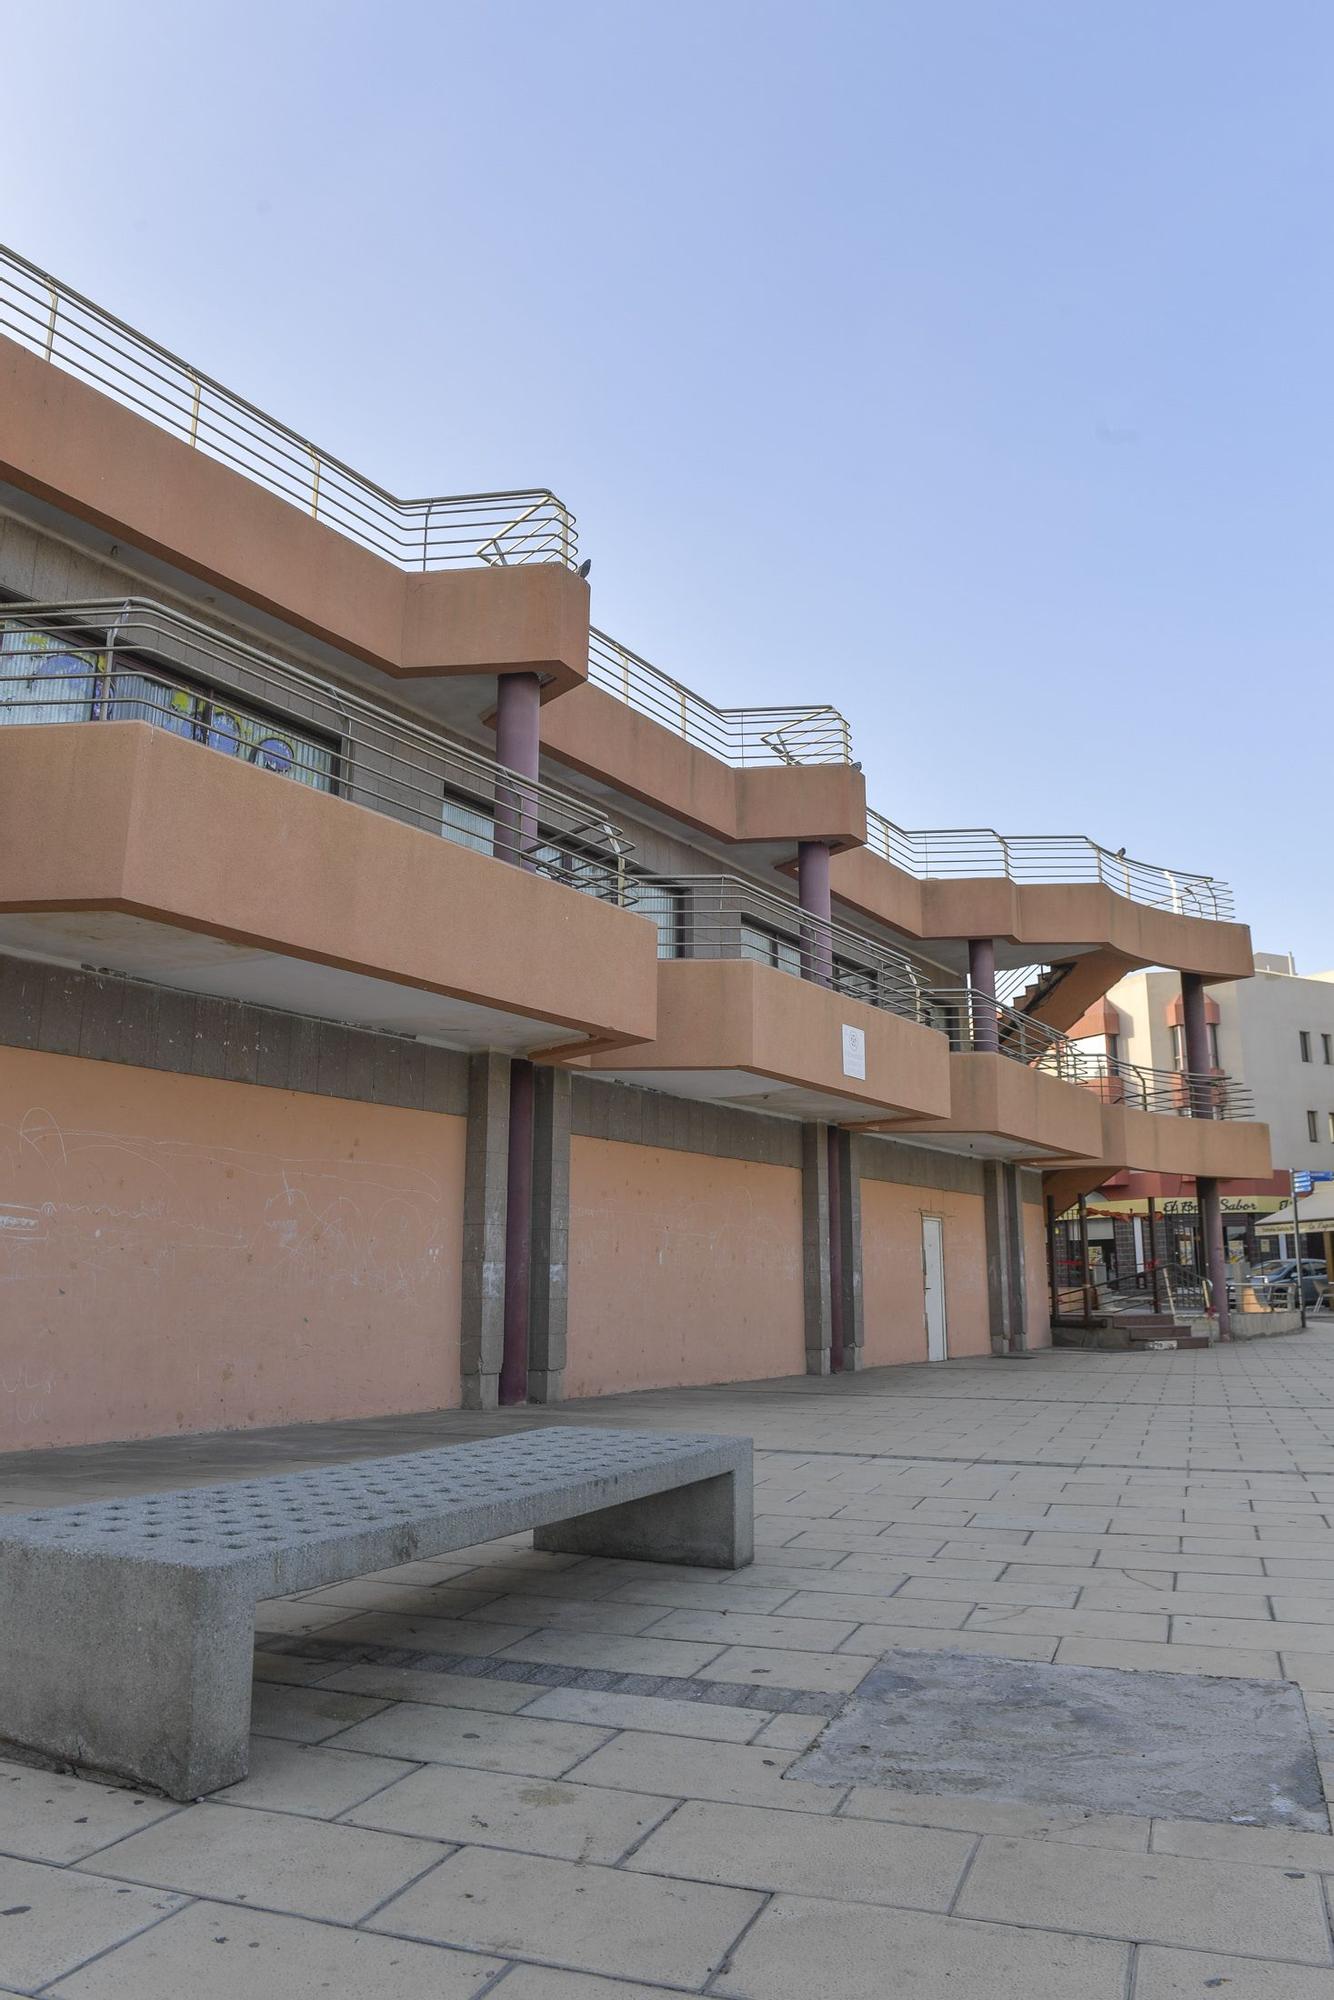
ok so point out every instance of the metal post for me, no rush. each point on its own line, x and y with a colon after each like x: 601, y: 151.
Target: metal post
x: 982, y: 983
x: 813, y: 894
x: 1297, y: 1247
x: 1153, y: 1256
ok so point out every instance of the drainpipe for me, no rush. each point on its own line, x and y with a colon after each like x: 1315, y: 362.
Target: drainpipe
x: 982, y: 981
x: 518, y: 743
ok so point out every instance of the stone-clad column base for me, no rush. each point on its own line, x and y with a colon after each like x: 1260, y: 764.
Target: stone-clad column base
x: 815, y: 1247
x: 486, y: 1169
x: 548, y: 1304
x: 1007, y: 1293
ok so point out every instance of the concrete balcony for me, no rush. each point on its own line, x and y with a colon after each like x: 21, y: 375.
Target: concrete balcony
x: 736, y: 1032
x: 1001, y: 1109
x: 124, y: 846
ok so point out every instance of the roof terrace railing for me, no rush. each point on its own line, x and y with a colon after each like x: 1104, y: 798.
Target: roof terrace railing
x: 134, y: 660
x: 443, y: 532
x: 944, y: 852
x: 803, y: 734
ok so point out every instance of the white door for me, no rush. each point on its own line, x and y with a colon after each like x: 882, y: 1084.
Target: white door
x: 933, y: 1285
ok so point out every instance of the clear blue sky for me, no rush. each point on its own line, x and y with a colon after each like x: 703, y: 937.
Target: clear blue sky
x: 966, y: 362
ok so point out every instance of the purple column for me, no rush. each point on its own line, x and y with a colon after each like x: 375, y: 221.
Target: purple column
x: 817, y: 945
x: 982, y: 980
x: 1196, y: 1037
x: 1210, y: 1206
x: 518, y: 746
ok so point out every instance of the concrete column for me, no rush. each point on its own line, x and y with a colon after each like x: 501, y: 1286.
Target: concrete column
x: 845, y: 1232
x: 548, y: 1292
x: 1210, y: 1207
x: 815, y: 1247
x: 1007, y: 1295
x: 518, y: 749
x: 1196, y: 1037
x: 518, y: 1235
x: 486, y: 1162
x: 982, y: 980
x: 817, y: 945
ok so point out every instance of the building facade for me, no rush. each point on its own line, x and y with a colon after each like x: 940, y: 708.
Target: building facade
x: 1274, y: 1033
x: 411, y: 996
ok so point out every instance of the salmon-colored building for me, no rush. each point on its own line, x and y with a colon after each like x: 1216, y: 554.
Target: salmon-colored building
x: 410, y: 996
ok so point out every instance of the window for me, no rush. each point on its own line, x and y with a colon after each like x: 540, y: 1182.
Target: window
x: 43, y: 680
x: 1331, y: 1126
x: 1304, y: 1041
x: 1312, y: 1128
x: 468, y: 825
x: 1179, y: 1046
x: 768, y: 947
x: 666, y: 906
x: 1327, y: 1044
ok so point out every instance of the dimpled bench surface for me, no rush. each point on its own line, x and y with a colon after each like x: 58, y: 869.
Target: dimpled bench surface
x: 127, y: 1630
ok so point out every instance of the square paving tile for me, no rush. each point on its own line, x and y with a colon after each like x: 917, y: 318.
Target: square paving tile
x: 52, y: 1919
x: 215, y: 1951
x: 45, y: 1817
x: 802, y: 1950
x: 496, y: 1809
x: 274, y: 1860
x: 1109, y: 1741
x: 588, y: 1918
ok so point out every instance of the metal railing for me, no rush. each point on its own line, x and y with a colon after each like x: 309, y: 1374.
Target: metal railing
x: 803, y: 734
x: 976, y: 1024
x: 953, y: 852
x: 133, y: 660
x: 72, y: 333
x: 721, y: 916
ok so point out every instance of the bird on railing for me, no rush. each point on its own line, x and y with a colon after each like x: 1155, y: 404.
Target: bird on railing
x: 584, y: 568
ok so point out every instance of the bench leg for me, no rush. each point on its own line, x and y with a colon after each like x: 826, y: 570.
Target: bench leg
x: 133, y: 1669
x: 709, y: 1524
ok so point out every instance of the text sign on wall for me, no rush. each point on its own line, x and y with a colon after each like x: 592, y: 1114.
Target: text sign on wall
x: 854, y: 1051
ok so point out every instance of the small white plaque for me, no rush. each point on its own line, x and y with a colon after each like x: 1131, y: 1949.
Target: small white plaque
x: 854, y: 1051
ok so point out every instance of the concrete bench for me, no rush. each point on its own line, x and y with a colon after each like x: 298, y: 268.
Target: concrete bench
x: 127, y: 1626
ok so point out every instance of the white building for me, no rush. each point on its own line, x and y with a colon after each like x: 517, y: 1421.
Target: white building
x: 1273, y: 1033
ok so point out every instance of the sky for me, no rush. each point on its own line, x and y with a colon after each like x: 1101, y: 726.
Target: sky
x: 964, y: 363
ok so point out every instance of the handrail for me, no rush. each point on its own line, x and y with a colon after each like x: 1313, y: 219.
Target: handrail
x: 440, y: 532
x: 978, y: 1024
x: 134, y: 660
x: 722, y: 916
x: 942, y: 853
x: 801, y: 734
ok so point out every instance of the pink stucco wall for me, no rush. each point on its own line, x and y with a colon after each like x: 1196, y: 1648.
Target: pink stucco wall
x: 892, y: 1301
x: 180, y: 1254
x: 682, y: 1269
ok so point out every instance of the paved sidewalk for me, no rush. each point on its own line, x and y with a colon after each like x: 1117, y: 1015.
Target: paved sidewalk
x: 555, y: 1779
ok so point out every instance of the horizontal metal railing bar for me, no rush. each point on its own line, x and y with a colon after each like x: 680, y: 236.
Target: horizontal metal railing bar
x: 791, y: 733
x: 945, y: 852
x: 136, y: 660
x: 74, y: 333
x: 978, y: 1024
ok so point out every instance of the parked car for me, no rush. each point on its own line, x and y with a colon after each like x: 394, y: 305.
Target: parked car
x: 1275, y: 1281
